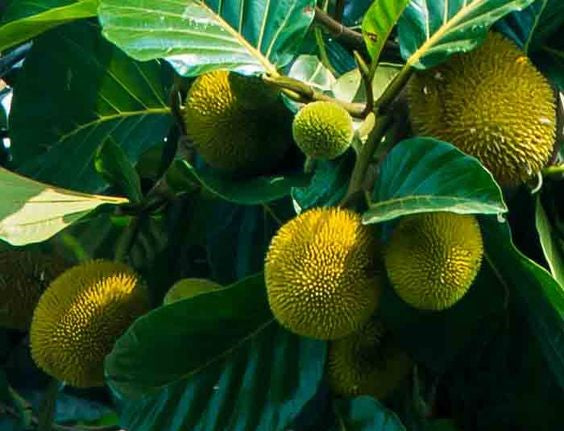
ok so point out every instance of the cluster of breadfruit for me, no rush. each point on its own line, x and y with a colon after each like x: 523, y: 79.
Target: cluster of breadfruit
x: 238, y: 125
x: 325, y: 271
x: 74, y: 314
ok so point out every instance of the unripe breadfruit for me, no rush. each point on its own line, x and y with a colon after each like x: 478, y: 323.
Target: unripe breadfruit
x: 24, y: 276
x: 189, y: 287
x: 366, y: 362
x: 493, y: 104
x: 321, y: 273
x: 226, y: 133
x: 323, y: 130
x: 433, y: 258
x: 80, y: 316
x: 251, y: 92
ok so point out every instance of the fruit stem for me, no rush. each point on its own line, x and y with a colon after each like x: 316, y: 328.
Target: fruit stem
x: 556, y: 171
x: 364, y: 158
x: 308, y: 93
x: 47, y: 407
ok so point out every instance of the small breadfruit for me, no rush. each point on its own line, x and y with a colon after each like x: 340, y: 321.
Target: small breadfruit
x: 433, y: 258
x: 189, y: 287
x: 80, y: 316
x: 367, y: 362
x: 226, y: 133
x: 493, y: 104
x: 321, y: 273
x: 24, y: 275
x: 323, y: 130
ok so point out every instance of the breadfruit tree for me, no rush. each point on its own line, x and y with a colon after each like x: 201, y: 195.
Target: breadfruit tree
x: 255, y: 215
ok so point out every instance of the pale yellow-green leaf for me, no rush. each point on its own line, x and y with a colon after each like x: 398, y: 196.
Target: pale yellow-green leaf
x: 33, y: 212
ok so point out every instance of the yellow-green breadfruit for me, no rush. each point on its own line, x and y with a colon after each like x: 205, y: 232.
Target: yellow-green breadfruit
x: 493, y: 104
x: 251, y: 92
x: 433, y: 258
x: 367, y: 362
x: 323, y: 130
x: 229, y: 135
x: 80, y: 316
x: 321, y: 273
x: 24, y: 276
x: 189, y: 287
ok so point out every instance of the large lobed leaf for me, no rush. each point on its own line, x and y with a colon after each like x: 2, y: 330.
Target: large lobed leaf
x: 75, y: 92
x: 24, y: 19
x: 426, y: 175
x: 217, y: 361
x: 33, y: 212
x: 432, y: 30
x: 199, y: 36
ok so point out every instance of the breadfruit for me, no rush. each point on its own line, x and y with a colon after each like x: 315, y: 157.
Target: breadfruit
x: 23, y: 277
x: 323, y: 130
x: 80, y: 316
x: 251, y: 92
x: 367, y: 362
x: 493, y: 104
x: 433, y: 258
x: 321, y: 273
x: 189, y: 287
x: 227, y: 134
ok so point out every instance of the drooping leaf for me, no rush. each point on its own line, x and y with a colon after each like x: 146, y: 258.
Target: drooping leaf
x: 200, y: 36
x: 25, y: 19
x: 94, y: 92
x: 260, y: 386
x: 245, y: 191
x: 426, y: 175
x: 365, y: 414
x: 111, y: 162
x: 552, y: 245
x: 33, y: 212
x: 432, y: 30
x: 378, y: 23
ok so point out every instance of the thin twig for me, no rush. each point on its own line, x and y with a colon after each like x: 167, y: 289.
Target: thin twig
x: 367, y: 80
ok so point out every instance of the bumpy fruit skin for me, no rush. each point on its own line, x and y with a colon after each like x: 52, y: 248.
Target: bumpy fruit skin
x: 251, y: 92
x: 80, y: 316
x: 493, y: 104
x: 189, y: 287
x: 321, y: 273
x: 24, y: 276
x: 433, y: 258
x: 229, y: 135
x: 367, y: 362
x: 323, y: 130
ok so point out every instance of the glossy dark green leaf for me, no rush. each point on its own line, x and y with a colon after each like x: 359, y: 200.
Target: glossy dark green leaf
x: 550, y: 22
x: 328, y: 184
x: 25, y: 19
x: 521, y: 26
x: 199, y: 36
x: 94, y: 93
x: 440, y: 425
x: 552, y: 245
x: 378, y: 23
x: 536, y: 290
x: 426, y: 175
x: 365, y: 414
x: 158, y: 350
x: 432, y: 30
x: 111, y: 162
x: 244, y: 191
x: 260, y: 386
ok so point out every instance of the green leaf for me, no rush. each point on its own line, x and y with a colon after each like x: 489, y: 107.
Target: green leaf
x: 365, y: 414
x: 328, y: 184
x: 441, y: 425
x: 349, y: 86
x: 94, y: 93
x: 427, y: 175
x: 552, y: 245
x: 521, y: 26
x: 538, y: 293
x: 378, y: 23
x: 112, y: 163
x: 432, y: 30
x: 244, y: 191
x: 200, y: 36
x: 28, y: 25
x: 261, y: 386
x: 157, y: 351
x: 33, y: 212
